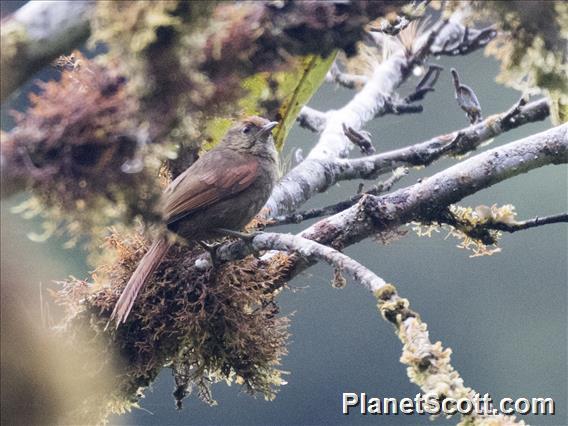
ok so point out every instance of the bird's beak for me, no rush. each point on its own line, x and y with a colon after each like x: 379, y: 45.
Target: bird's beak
x: 267, y: 128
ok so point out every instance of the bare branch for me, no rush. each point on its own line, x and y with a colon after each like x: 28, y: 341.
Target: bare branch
x: 401, y: 107
x: 465, y: 41
x: 362, y: 139
x: 424, y: 200
x: 510, y: 116
x: 316, y: 175
x: 311, y: 119
x: 313, y: 251
x: 455, y: 143
x: 309, y: 176
x: 425, y: 85
x: 349, y: 81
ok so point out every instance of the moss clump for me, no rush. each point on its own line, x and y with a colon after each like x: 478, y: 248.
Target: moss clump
x: 159, y: 45
x: 78, y: 149
x: 222, y: 324
x: 470, y: 226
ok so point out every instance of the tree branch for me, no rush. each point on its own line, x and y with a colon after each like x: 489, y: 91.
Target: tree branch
x: 527, y: 224
x: 36, y: 34
x: 349, y: 81
x: 319, y: 174
x: 456, y: 143
x: 428, y: 363
x: 377, y: 189
x: 321, y: 167
x: 424, y: 200
x: 312, y: 119
x: 313, y: 251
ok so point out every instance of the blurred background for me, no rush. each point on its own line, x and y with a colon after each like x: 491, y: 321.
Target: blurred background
x: 505, y: 316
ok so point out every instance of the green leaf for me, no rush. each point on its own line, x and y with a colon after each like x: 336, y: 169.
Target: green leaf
x: 298, y: 90
x: 276, y: 95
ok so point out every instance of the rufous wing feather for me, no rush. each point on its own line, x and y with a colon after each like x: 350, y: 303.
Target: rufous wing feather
x: 207, y: 183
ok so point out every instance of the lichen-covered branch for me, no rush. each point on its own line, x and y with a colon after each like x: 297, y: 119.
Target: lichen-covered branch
x: 428, y: 363
x: 456, y: 143
x: 425, y: 200
x: 320, y: 174
x: 349, y: 81
x: 312, y: 119
x: 313, y: 252
x: 376, y: 189
x: 317, y: 172
x: 36, y: 34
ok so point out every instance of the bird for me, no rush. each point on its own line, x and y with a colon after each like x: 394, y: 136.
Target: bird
x: 466, y: 99
x: 223, y: 190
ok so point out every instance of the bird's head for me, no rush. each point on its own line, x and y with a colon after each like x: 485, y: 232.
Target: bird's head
x: 252, y: 135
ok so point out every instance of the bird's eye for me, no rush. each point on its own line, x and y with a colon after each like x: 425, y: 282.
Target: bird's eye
x: 246, y: 130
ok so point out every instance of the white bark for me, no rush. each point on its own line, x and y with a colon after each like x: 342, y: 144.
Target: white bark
x: 322, y: 166
x: 49, y: 25
x: 375, y: 214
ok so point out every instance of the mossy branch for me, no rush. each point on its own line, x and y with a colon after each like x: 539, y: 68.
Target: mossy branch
x: 36, y: 34
x: 428, y: 363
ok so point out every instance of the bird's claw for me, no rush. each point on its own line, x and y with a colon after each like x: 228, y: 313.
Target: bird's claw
x: 246, y: 237
x: 211, y: 249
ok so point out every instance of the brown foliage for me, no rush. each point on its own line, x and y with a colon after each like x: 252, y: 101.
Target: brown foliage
x: 76, y: 140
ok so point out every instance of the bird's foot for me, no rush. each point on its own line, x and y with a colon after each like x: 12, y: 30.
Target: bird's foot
x: 246, y: 237
x: 211, y: 249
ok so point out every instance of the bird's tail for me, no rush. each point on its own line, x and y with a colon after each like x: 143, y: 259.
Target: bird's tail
x: 145, y: 269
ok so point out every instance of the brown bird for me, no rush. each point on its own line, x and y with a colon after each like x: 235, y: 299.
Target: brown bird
x: 224, y: 189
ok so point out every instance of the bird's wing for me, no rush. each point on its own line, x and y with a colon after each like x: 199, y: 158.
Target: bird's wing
x: 218, y: 174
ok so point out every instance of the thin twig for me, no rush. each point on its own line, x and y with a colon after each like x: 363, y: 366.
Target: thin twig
x: 471, y: 39
x: 311, y: 119
x: 527, y: 224
x: 362, y: 139
x: 377, y: 189
x: 349, y: 81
